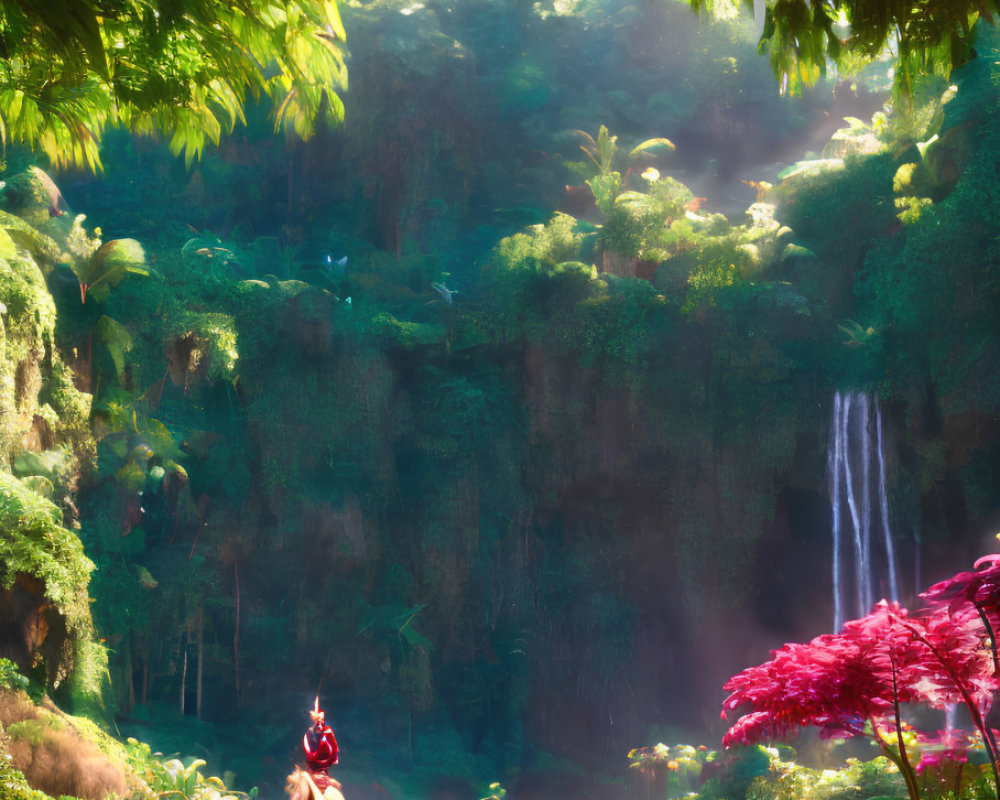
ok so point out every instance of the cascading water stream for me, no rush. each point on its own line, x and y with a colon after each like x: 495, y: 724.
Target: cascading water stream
x: 856, y: 472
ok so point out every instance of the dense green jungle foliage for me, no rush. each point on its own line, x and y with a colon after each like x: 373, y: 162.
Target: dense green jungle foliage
x: 805, y: 38
x: 521, y: 481
x: 182, y: 69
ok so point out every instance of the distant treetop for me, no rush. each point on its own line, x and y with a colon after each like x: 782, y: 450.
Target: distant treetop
x: 922, y: 36
x: 182, y: 68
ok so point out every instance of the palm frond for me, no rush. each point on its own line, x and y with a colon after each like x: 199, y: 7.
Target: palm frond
x: 183, y: 72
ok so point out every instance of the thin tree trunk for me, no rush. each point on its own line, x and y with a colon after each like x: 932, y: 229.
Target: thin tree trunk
x: 201, y: 653
x: 184, y: 675
x: 993, y: 639
x: 236, y: 633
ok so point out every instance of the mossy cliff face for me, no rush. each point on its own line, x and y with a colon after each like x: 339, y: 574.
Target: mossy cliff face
x: 39, y: 407
x: 45, y: 445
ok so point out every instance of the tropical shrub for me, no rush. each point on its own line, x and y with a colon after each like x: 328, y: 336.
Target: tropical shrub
x: 602, y: 153
x: 178, y: 779
x: 674, y: 771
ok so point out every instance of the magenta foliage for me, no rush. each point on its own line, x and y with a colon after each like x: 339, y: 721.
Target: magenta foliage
x: 980, y: 588
x: 944, y: 750
x: 852, y: 683
x: 826, y: 683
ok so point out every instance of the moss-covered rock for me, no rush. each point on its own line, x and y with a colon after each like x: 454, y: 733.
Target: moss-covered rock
x: 46, y: 753
x: 202, y: 344
x: 33, y: 197
x: 43, y: 582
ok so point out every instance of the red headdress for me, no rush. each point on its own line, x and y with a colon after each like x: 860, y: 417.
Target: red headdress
x: 319, y: 743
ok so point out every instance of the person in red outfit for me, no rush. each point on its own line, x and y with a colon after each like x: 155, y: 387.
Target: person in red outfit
x: 321, y: 751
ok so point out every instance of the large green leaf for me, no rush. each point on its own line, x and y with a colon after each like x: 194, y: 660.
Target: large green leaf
x: 109, y: 265
x: 117, y: 339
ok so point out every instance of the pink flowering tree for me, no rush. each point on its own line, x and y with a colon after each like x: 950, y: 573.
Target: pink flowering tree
x: 980, y: 590
x: 853, y: 683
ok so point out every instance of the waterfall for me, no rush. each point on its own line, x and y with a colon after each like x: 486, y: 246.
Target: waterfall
x: 859, y: 506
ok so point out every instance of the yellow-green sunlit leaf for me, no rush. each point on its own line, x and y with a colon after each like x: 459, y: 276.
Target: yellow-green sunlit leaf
x: 332, y: 16
x: 658, y: 143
